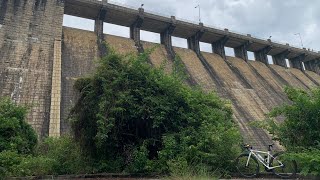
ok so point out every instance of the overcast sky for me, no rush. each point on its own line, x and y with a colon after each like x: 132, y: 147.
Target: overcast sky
x: 280, y: 19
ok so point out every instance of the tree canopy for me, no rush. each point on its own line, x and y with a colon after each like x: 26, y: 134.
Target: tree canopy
x: 139, y: 119
x: 302, y: 119
x: 15, y: 133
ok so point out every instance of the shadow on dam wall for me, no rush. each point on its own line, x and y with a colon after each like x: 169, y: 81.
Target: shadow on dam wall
x: 253, y: 87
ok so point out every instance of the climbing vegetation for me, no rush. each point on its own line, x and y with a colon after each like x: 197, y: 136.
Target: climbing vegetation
x: 134, y: 118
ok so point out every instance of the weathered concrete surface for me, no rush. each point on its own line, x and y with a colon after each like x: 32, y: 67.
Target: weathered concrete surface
x: 159, y: 56
x: 195, y: 68
x: 27, y: 35
x: 78, y: 60
x: 314, y: 76
x: 302, y: 78
x: 121, y: 45
x: 253, y: 88
x: 287, y: 76
x: 247, y: 105
x: 78, y: 56
x: 39, y: 69
x: 268, y: 76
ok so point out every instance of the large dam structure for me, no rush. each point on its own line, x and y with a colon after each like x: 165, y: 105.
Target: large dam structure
x: 40, y: 60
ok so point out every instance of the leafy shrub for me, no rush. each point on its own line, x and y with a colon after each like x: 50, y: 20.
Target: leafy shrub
x: 308, y: 160
x: 15, y: 164
x: 53, y: 156
x: 15, y: 133
x: 34, y: 166
x: 141, y: 118
x: 17, y: 138
x: 302, y: 119
x: 63, y: 154
x: 299, y: 132
x: 9, y: 160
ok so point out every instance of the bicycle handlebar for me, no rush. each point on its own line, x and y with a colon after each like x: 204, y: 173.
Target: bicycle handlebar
x: 249, y: 146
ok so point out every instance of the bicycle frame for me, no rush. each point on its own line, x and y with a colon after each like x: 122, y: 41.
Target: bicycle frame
x: 265, y: 162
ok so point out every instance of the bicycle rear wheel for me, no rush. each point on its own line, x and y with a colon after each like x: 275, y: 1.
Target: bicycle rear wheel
x: 250, y: 170
x: 288, y: 168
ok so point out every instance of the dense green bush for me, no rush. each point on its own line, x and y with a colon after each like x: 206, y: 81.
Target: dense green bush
x: 15, y: 133
x: 64, y: 155
x: 299, y: 132
x: 308, y: 160
x: 17, y: 138
x: 53, y: 156
x: 33, y: 166
x: 131, y: 117
x: 21, y: 156
x: 9, y: 161
x: 300, y: 127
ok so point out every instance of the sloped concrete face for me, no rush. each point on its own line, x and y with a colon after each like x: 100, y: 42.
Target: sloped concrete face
x: 28, y: 32
x: 159, y: 57
x: 78, y: 60
x: 247, y: 103
x: 40, y: 61
x: 314, y: 76
x: 303, y: 78
x: 253, y: 87
x: 195, y: 69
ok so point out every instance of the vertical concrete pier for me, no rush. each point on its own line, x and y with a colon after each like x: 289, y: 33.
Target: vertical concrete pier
x: 55, y: 120
x: 98, y: 29
x: 218, y: 47
x: 166, y: 37
x: 297, y: 62
x: 280, y: 59
x: 194, y: 41
x: 313, y: 65
x: 135, y: 30
x: 242, y: 51
x: 262, y: 55
x: 309, y: 65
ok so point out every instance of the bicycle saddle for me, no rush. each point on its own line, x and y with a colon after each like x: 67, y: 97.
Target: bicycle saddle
x: 270, y: 146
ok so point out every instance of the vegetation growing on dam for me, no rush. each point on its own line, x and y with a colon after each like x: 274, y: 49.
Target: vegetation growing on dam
x: 131, y: 118
x: 136, y: 119
x: 299, y: 132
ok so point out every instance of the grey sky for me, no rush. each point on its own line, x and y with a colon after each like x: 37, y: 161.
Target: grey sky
x: 280, y: 19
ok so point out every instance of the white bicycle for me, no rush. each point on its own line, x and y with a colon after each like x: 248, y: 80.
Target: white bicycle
x: 248, y: 166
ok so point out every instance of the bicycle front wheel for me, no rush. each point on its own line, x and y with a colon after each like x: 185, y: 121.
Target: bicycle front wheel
x: 287, y: 168
x: 247, y: 167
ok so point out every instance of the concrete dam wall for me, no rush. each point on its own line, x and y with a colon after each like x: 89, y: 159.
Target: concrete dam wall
x: 40, y: 60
